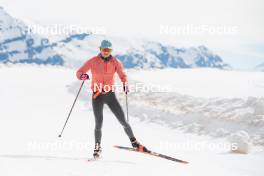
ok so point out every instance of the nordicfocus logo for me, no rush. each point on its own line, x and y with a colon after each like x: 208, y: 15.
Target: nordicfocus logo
x: 58, y: 146
x: 197, y: 146
x: 191, y: 29
x: 63, y: 29
x: 134, y: 87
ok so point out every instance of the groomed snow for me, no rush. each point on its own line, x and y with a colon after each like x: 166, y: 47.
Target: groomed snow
x: 35, y: 101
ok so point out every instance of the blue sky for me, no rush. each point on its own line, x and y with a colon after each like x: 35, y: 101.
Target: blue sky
x: 243, y: 48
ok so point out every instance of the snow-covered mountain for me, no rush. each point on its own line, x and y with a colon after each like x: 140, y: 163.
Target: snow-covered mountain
x: 18, y: 44
x: 260, y: 67
x: 161, y: 56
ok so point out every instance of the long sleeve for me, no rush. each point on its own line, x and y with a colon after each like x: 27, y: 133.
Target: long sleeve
x: 85, y: 68
x: 120, y: 71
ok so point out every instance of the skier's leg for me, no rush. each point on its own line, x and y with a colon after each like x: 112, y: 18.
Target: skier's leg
x: 98, y: 105
x: 116, y: 108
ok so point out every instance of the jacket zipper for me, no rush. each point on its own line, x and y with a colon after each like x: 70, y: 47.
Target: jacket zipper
x: 105, y: 67
x: 105, y: 71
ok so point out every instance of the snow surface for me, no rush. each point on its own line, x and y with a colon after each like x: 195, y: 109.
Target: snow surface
x: 35, y: 101
x: 241, y: 139
x: 207, y: 83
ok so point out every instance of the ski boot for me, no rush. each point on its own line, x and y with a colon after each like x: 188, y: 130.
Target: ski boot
x: 97, y: 150
x: 139, y: 147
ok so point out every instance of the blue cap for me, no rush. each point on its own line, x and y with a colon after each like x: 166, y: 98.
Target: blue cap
x: 106, y: 44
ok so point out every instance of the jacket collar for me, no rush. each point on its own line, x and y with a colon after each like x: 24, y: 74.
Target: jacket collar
x: 105, y: 59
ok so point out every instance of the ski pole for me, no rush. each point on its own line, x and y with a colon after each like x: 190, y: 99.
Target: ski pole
x: 71, y: 109
x: 127, y: 108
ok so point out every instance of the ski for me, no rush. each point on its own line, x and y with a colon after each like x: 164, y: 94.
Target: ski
x: 153, y: 154
x: 92, y: 159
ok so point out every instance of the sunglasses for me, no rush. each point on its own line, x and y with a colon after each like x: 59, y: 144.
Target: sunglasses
x: 106, y: 50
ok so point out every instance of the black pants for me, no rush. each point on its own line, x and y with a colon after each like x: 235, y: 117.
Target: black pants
x: 112, y: 102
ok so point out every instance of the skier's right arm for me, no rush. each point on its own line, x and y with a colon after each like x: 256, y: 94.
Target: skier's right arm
x: 84, y: 69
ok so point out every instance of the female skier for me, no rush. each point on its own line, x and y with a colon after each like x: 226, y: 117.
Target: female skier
x: 103, y: 67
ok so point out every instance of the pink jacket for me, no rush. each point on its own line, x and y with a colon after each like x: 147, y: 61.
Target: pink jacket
x: 103, y: 72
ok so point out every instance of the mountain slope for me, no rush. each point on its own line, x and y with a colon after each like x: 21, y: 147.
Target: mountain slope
x: 156, y: 55
x: 18, y: 44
